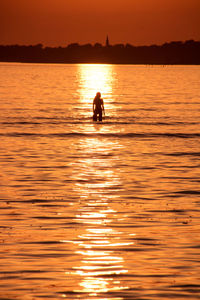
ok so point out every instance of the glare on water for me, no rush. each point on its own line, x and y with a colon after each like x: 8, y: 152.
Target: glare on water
x: 105, y: 210
x: 94, y: 78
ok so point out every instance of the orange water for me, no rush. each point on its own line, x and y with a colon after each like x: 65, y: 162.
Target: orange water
x: 99, y: 210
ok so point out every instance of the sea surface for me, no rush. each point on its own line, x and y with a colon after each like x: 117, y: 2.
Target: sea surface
x: 99, y: 210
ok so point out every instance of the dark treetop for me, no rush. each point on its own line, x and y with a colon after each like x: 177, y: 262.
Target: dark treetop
x: 187, y: 52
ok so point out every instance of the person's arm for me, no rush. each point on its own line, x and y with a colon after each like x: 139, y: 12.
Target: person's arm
x: 103, y: 107
x: 93, y: 106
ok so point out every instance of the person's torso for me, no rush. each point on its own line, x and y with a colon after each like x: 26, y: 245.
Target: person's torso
x: 98, y: 102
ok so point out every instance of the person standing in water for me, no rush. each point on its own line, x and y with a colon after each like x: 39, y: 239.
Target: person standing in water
x: 98, y: 107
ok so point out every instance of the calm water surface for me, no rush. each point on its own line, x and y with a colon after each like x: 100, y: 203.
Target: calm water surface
x: 105, y: 210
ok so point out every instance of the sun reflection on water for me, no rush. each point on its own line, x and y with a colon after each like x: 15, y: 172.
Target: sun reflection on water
x: 96, y: 181
x: 94, y: 78
x: 100, y: 265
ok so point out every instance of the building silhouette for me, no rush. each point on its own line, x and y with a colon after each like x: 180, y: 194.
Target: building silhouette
x: 107, y: 42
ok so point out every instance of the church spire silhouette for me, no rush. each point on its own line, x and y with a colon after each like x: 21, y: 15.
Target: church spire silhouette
x: 107, y: 42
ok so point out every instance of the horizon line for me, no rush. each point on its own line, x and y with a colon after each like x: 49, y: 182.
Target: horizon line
x: 100, y: 44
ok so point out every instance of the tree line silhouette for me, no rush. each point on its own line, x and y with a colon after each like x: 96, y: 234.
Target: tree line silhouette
x: 176, y: 52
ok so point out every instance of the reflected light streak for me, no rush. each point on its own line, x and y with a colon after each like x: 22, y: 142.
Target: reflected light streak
x: 97, y: 263
x: 96, y: 181
x: 97, y: 245
x: 96, y: 175
x: 94, y: 78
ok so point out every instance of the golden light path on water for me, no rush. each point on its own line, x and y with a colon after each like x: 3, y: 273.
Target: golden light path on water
x: 95, y: 78
x: 97, y: 245
x: 96, y: 183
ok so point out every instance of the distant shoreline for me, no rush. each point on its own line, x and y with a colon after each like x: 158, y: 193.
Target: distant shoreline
x: 173, y: 53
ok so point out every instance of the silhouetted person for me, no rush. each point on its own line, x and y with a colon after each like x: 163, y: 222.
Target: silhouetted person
x: 98, y: 107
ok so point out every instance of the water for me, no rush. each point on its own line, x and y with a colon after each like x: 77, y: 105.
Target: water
x: 99, y: 210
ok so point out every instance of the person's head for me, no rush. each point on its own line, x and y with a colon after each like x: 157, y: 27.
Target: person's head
x: 98, y: 95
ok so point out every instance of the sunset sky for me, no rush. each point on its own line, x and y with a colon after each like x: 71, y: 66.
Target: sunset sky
x: 61, y: 22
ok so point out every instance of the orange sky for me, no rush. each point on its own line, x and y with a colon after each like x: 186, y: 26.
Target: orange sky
x: 60, y: 22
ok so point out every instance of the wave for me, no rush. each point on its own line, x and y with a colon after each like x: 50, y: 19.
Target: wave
x: 184, y: 154
x: 53, y: 121
x: 103, y: 135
